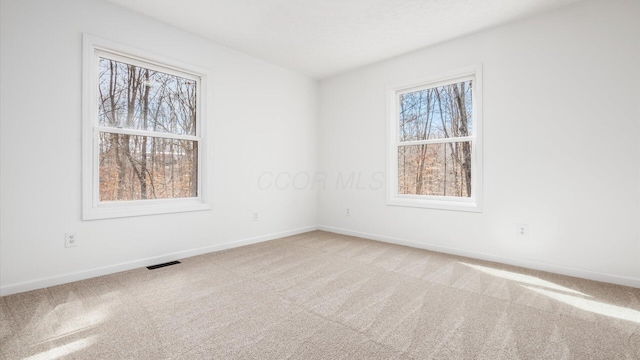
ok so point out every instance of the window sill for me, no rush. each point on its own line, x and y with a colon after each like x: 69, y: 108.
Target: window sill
x: 142, y: 208
x: 421, y: 202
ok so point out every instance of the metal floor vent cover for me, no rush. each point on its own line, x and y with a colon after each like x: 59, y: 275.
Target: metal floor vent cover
x: 153, y: 267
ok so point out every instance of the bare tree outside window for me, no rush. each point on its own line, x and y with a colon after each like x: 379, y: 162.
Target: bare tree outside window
x: 434, y: 149
x: 146, y: 124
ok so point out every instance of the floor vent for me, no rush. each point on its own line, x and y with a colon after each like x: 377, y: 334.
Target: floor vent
x: 153, y: 267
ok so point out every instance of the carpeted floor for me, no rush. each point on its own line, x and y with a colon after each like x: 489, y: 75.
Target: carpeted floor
x: 324, y: 296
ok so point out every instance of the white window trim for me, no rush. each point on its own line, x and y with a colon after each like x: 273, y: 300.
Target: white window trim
x: 473, y: 203
x: 92, y: 208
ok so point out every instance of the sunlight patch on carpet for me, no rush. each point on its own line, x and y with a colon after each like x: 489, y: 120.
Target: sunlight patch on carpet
x: 531, y: 280
x: 64, y: 350
x: 595, y: 307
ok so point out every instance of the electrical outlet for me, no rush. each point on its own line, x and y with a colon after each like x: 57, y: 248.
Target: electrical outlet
x: 348, y: 212
x: 70, y: 240
x: 256, y: 216
x: 522, y: 231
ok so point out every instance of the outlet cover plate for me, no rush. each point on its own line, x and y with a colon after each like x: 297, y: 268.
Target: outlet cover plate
x: 70, y: 240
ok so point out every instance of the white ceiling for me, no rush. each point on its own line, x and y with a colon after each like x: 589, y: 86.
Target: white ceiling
x: 320, y: 38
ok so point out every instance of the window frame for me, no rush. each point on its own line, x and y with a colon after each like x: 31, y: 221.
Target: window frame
x: 472, y: 203
x: 92, y: 208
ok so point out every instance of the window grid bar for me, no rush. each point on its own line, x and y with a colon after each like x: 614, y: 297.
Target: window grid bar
x: 104, y: 129
x: 436, y: 141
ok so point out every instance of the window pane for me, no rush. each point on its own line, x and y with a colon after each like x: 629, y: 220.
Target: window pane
x: 435, y: 169
x: 436, y: 113
x: 144, y: 167
x: 134, y: 97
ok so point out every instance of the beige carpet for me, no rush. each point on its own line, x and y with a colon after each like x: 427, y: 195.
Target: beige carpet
x: 324, y: 296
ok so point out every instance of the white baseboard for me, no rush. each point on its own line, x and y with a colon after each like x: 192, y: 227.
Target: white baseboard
x: 111, y: 269
x: 553, y: 268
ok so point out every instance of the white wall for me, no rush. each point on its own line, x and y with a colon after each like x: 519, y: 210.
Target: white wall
x: 262, y: 118
x: 561, y: 148
x: 562, y: 122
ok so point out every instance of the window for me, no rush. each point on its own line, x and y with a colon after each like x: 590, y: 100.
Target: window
x: 435, y: 142
x: 143, y: 135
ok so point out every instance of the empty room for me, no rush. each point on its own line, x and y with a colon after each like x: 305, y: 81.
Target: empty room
x: 320, y: 179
